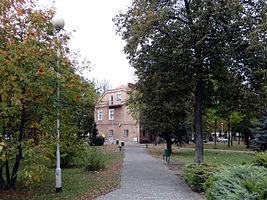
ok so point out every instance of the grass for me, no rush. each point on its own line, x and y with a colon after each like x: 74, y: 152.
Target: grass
x: 222, y: 146
x: 76, y: 183
x: 186, y: 156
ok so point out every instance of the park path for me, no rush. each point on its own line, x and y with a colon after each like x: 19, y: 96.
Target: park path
x: 144, y: 177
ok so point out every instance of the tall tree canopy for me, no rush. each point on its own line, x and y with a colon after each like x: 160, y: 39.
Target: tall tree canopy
x: 190, y: 46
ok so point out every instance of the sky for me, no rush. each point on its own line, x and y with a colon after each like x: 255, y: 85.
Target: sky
x: 95, y: 36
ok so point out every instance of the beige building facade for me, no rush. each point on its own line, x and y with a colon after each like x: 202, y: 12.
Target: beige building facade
x: 113, y: 119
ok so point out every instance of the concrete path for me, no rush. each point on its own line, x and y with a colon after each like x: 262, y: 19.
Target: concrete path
x: 144, y: 177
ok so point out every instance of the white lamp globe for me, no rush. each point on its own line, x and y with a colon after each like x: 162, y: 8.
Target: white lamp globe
x: 58, y: 22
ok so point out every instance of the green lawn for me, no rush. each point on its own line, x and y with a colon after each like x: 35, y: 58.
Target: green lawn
x: 76, y: 183
x: 221, y: 145
x: 186, y: 156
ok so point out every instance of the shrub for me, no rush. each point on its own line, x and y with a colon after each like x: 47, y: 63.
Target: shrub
x: 261, y: 159
x: 95, y: 160
x: 70, y: 149
x: 97, y: 141
x: 197, y: 174
x: 260, y: 134
x: 237, y: 182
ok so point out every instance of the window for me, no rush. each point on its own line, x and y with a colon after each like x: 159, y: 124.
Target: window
x: 111, y: 114
x: 100, y: 115
x: 125, y: 133
x: 111, y: 99
x: 110, y: 132
x: 118, y: 97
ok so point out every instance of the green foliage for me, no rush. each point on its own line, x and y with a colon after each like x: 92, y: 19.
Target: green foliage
x: 33, y: 167
x: 261, y: 159
x: 95, y: 160
x: 94, y: 131
x: 204, y: 48
x: 28, y: 98
x: 237, y: 182
x: 97, y: 141
x: 70, y: 148
x: 94, y: 139
x: 259, y: 143
x: 197, y: 174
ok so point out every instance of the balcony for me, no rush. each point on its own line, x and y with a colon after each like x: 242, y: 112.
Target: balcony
x: 114, y: 104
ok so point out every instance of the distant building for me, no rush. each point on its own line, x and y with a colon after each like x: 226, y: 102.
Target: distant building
x: 113, y: 119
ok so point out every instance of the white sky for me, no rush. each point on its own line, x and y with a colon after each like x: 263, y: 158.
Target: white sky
x: 96, y: 37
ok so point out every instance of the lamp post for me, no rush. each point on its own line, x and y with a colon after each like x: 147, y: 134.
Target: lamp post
x: 58, y: 23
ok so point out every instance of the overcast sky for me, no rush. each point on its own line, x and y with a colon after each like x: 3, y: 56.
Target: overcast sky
x: 96, y: 37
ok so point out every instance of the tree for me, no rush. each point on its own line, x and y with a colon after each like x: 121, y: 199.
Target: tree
x: 84, y: 109
x: 260, y: 134
x: 26, y: 53
x: 102, y: 86
x: 159, y: 99
x: 94, y: 131
x: 28, y: 98
x: 213, y: 116
x: 204, y: 39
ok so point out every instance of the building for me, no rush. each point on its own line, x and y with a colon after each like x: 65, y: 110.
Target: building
x: 113, y: 119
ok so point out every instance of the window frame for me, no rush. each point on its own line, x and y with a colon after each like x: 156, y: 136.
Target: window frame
x: 110, y: 132
x: 111, y: 114
x: 119, y: 97
x: 125, y: 133
x: 100, y: 115
x: 111, y: 99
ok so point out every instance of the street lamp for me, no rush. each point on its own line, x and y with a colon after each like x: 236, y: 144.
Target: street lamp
x: 58, y: 23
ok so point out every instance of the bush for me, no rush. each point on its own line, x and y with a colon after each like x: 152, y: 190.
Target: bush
x: 95, y: 160
x: 237, y: 182
x: 70, y: 149
x: 261, y: 159
x: 97, y: 141
x: 197, y: 174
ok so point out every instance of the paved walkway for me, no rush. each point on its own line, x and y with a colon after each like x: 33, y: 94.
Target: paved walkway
x: 144, y: 177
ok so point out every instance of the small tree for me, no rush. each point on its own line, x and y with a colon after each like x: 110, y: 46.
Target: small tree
x: 94, y: 131
x: 94, y: 139
x: 260, y: 134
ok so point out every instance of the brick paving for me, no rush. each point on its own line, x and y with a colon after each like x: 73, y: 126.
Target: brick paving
x: 144, y: 177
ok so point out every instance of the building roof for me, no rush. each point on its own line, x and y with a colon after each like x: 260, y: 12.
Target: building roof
x: 121, y: 87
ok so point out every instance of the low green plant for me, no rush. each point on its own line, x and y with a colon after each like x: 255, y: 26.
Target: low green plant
x: 197, y: 174
x: 261, y: 159
x: 70, y: 149
x: 95, y: 160
x: 237, y: 182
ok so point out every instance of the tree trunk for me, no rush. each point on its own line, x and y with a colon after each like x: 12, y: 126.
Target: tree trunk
x: 169, y: 144
x: 2, y: 181
x: 247, y: 138
x: 7, y: 173
x: 229, y: 134
x: 198, y: 117
x: 231, y: 139
x: 215, y: 136
x: 19, y: 148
